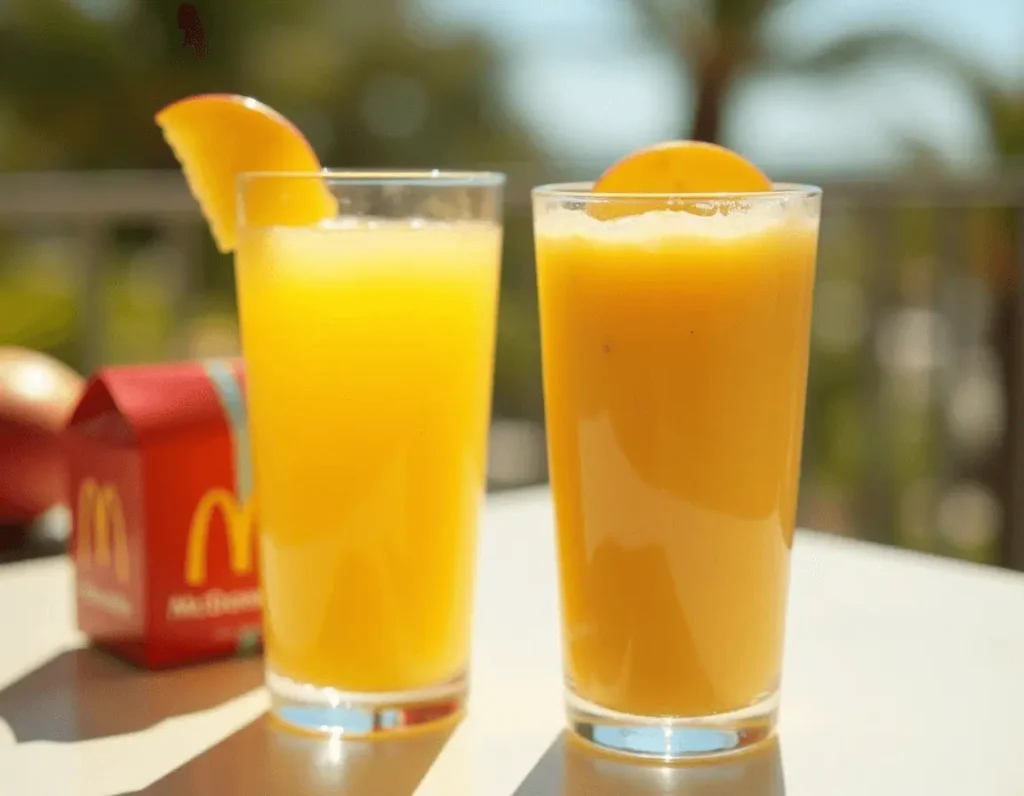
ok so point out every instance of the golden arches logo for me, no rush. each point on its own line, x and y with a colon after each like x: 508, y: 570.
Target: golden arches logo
x: 102, y: 536
x: 239, y: 525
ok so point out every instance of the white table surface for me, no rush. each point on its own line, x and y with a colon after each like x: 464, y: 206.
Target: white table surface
x: 904, y: 674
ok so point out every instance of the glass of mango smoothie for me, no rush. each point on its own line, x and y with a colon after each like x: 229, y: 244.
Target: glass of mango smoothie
x: 367, y: 304
x: 675, y: 298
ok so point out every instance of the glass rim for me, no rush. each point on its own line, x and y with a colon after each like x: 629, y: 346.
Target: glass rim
x: 434, y: 178
x: 583, y: 192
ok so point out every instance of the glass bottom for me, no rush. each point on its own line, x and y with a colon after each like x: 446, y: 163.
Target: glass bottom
x: 325, y: 710
x: 670, y: 737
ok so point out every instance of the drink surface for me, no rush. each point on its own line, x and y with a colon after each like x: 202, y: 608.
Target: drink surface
x: 675, y: 362
x: 369, y: 349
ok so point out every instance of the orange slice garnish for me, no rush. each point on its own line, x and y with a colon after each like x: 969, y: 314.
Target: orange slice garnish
x: 216, y: 137
x: 676, y: 167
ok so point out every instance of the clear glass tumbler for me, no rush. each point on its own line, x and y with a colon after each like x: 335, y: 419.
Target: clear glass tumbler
x: 367, y: 304
x: 675, y: 338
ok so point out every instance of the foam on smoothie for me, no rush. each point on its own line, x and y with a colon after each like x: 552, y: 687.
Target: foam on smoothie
x: 783, y: 212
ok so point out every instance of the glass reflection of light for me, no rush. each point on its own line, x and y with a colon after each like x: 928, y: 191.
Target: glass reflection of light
x: 586, y: 771
x: 333, y: 751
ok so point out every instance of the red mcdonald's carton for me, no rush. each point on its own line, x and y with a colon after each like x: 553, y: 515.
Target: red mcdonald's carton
x: 163, y: 539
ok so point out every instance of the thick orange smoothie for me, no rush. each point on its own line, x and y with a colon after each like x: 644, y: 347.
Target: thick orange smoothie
x: 675, y: 351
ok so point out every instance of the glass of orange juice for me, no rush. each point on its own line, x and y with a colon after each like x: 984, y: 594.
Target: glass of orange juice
x: 367, y: 305
x: 675, y: 337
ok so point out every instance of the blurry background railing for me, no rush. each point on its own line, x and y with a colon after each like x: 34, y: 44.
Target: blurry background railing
x: 914, y: 430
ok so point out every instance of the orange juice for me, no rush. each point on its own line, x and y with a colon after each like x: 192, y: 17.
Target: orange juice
x: 675, y: 350
x: 369, y: 349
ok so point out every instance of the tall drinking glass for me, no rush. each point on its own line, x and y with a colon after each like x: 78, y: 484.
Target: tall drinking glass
x: 675, y: 335
x: 367, y: 304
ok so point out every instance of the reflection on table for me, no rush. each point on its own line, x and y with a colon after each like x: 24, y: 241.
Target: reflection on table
x: 573, y: 768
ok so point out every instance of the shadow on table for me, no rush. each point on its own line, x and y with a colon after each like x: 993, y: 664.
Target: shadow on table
x: 46, y: 536
x: 83, y: 694
x: 265, y: 759
x: 571, y: 768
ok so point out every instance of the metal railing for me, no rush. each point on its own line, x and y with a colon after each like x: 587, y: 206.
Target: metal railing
x: 927, y: 270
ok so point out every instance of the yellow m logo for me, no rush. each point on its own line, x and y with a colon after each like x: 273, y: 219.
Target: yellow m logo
x: 101, y: 525
x: 237, y: 521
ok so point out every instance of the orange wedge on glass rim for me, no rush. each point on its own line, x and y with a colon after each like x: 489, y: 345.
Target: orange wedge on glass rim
x: 676, y: 167
x: 217, y: 137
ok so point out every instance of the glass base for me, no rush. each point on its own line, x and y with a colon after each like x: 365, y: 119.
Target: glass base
x: 325, y: 710
x: 671, y: 737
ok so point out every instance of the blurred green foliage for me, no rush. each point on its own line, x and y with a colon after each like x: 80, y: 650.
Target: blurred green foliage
x: 367, y: 83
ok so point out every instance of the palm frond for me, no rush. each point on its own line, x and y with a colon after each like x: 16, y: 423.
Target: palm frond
x: 862, y: 47
x: 1000, y: 108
